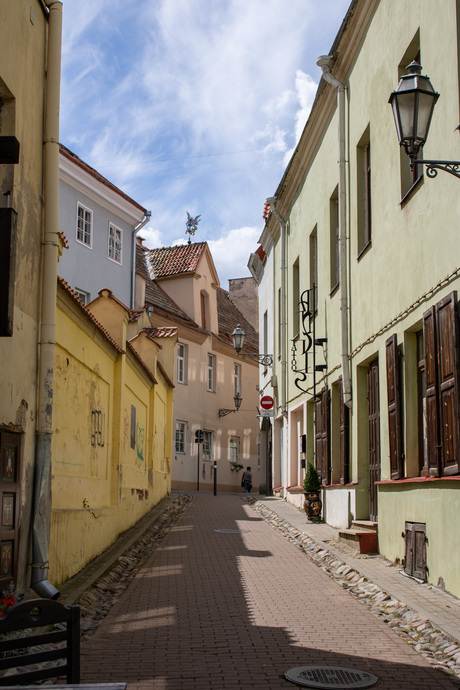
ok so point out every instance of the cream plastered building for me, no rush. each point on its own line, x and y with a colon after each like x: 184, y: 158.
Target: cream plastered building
x: 365, y: 263
x: 180, y: 289
x: 30, y: 57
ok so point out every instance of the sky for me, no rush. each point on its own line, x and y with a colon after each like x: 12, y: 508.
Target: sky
x: 193, y: 106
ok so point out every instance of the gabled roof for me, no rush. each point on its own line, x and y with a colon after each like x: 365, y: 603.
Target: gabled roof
x: 229, y: 316
x: 173, y: 261
x: 66, y: 287
x: 64, y: 151
x: 157, y: 298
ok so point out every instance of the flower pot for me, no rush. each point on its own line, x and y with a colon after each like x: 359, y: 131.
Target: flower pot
x: 312, y: 505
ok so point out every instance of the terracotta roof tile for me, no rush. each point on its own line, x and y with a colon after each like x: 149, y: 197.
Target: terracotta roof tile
x: 266, y: 211
x: 141, y: 261
x: 162, y: 332
x: 260, y: 251
x: 229, y: 316
x: 64, y: 240
x: 170, y: 261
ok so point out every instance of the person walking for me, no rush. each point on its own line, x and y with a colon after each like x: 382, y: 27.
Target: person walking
x: 246, y: 482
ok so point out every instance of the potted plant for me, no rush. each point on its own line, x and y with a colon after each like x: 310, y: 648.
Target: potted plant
x: 312, y: 488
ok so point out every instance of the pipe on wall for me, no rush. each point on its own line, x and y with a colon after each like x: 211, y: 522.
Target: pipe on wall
x: 324, y: 62
x: 143, y: 222
x: 42, y: 476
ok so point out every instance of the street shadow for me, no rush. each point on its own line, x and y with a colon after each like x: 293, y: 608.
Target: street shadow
x: 208, y: 611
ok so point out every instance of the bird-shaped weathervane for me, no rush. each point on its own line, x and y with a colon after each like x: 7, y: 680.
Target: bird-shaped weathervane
x: 191, y: 225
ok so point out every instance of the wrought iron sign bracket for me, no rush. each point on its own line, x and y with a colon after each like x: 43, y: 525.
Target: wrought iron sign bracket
x: 224, y: 412
x: 264, y: 360
x: 432, y: 167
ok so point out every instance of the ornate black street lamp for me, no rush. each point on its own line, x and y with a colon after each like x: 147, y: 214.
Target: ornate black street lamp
x: 413, y: 104
x: 237, y: 399
x: 238, y: 337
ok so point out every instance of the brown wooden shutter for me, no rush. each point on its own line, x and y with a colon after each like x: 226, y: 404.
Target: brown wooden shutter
x: 432, y: 467
x: 344, y: 437
x: 415, y: 551
x: 9, y: 503
x: 448, y: 383
x: 394, y: 408
x: 322, y: 436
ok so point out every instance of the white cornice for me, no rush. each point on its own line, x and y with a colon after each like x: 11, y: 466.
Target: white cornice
x: 83, y: 182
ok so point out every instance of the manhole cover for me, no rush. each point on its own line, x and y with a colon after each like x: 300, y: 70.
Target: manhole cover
x: 231, y: 531
x: 330, y: 677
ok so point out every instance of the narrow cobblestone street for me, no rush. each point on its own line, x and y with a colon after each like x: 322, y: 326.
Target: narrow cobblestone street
x: 236, y: 609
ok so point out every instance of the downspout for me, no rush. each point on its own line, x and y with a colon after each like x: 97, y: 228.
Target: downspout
x: 283, y: 325
x: 143, y: 222
x: 324, y: 62
x: 42, y: 478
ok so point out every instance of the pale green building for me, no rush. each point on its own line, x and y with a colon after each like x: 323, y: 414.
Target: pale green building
x: 364, y: 258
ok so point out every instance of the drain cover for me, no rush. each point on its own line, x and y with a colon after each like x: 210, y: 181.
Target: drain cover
x: 231, y: 531
x: 330, y: 677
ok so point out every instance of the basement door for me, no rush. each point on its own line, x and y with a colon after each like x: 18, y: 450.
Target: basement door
x: 374, y: 436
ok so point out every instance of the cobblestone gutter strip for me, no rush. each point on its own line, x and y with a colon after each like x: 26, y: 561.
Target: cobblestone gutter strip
x: 97, y: 600
x: 437, y: 648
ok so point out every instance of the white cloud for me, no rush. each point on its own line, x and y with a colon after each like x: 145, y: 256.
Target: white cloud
x: 231, y: 253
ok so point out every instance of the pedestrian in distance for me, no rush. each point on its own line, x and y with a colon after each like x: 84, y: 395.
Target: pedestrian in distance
x: 246, y: 481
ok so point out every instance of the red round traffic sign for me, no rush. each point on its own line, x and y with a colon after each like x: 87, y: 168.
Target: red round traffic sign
x: 266, y: 402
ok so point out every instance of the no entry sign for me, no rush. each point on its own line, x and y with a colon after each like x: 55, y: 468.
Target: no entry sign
x: 267, y: 402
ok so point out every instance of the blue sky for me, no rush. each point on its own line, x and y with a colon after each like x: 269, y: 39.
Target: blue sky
x: 193, y: 106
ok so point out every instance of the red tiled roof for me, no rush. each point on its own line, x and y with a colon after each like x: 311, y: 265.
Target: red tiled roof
x: 162, y: 332
x: 141, y: 261
x: 266, y: 211
x: 229, y: 316
x: 63, y: 239
x: 137, y: 356
x: 91, y: 171
x: 66, y: 287
x: 171, y: 261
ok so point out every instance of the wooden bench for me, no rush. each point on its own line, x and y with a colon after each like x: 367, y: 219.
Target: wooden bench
x: 40, y: 640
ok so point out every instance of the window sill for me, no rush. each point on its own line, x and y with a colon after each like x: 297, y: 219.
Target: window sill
x: 418, y: 480
x: 364, y: 250
x: 295, y: 489
x: 339, y: 486
x: 408, y: 195
x: 334, y: 290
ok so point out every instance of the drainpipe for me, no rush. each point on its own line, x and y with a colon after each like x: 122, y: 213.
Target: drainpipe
x: 143, y: 222
x: 42, y: 478
x: 283, y: 324
x: 324, y: 62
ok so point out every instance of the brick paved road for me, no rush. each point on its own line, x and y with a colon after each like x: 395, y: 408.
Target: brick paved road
x: 227, y: 610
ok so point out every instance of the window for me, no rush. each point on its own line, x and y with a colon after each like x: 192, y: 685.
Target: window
x: 236, y: 378
x: 207, y: 445
x: 210, y: 373
x: 84, y: 296
x: 313, y: 247
x: 181, y: 363
x: 295, y: 299
x: 115, y: 243
x: 363, y: 165
x: 234, y: 450
x: 180, y: 436
x: 84, y: 225
x: 441, y: 399
x: 334, y: 238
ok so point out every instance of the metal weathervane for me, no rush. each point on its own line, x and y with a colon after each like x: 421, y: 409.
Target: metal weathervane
x: 191, y: 225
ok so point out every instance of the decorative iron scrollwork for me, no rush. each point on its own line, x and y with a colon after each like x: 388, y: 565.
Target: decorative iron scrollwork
x: 308, y: 342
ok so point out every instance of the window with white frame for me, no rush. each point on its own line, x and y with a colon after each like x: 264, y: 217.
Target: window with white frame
x: 211, y: 373
x: 207, y: 445
x: 84, y: 225
x: 84, y: 296
x: 115, y: 243
x: 234, y: 450
x: 180, y: 436
x: 236, y: 378
x: 181, y: 363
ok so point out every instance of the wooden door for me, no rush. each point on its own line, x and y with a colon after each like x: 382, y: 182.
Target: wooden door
x: 374, y: 436
x: 9, y: 503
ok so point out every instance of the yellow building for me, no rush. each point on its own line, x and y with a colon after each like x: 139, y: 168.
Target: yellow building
x: 112, y: 425
x: 30, y: 45
x: 361, y: 256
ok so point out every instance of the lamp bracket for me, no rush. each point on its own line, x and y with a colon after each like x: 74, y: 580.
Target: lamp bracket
x: 432, y: 167
x: 224, y: 412
x: 265, y: 360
